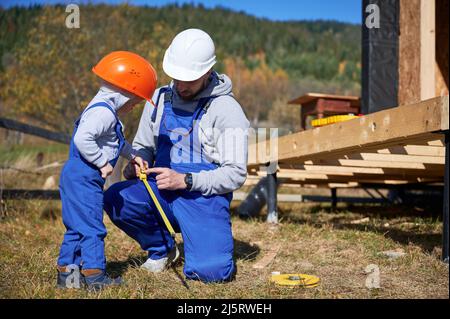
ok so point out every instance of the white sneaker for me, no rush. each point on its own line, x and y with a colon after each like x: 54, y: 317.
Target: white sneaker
x: 159, y: 265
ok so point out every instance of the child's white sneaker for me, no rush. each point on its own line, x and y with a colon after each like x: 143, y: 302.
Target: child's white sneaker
x: 159, y: 265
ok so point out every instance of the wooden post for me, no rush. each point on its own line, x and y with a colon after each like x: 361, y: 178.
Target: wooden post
x: 445, y: 219
x: 442, y: 47
x: 272, y: 214
x: 409, y: 52
x: 333, y: 198
x: 427, y: 49
x: 417, y: 51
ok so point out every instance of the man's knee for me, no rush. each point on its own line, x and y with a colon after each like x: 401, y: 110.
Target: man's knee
x: 112, y: 198
x: 211, y: 271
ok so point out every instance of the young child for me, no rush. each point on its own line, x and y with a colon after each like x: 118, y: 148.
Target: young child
x: 96, y: 144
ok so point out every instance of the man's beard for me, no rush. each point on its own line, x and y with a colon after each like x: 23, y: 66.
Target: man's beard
x: 188, y: 95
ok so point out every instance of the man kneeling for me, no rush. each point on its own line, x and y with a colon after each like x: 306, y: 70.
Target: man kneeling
x: 196, y: 139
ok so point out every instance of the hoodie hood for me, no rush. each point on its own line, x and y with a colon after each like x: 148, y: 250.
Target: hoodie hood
x: 220, y: 84
x: 112, y: 95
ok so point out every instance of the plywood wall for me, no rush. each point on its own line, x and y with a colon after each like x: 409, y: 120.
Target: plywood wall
x: 442, y: 44
x: 409, y: 52
x: 423, y: 50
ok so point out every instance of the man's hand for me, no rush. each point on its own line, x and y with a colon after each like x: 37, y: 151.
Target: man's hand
x: 141, y: 164
x: 167, y: 178
x: 134, y: 167
x: 106, y: 170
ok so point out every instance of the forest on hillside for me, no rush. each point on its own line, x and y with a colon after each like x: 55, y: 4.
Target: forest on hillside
x: 45, y: 71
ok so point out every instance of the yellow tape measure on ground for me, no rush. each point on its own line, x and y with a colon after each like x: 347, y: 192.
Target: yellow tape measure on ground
x: 143, y: 178
x: 332, y: 120
x: 294, y: 280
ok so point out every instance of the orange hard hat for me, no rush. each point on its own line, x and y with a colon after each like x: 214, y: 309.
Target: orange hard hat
x: 128, y: 71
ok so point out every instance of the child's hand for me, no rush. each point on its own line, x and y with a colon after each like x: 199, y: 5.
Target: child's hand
x: 143, y: 165
x: 106, y: 170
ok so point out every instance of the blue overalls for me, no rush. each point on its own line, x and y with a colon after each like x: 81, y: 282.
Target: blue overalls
x: 81, y: 189
x: 204, y: 221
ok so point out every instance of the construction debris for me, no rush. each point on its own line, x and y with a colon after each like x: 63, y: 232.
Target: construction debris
x: 267, y: 258
x: 393, y: 254
x: 50, y: 183
x: 360, y: 221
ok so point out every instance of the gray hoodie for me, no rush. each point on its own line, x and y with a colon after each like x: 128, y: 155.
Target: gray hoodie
x: 96, y: 138
x: 222, y: 132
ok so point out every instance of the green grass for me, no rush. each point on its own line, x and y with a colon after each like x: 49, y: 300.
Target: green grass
x: 11, y: 153
x: 325, y: 244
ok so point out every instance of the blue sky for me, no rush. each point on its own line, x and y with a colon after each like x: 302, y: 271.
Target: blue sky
x: 340, y: 10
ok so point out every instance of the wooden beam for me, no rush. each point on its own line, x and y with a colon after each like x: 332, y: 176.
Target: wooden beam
x: 299, y: 175
x: 369, y: 149
x: 352, y: 177
x: 329, y: 169
x: 396, y: 158
x: 428, y: 139
x: 366, y: 163
x: 34, y: 130
x: 438, y: 142
x: 325, y: 182
x: 418, y: 150
x: 351, y: 171
x: 427, y: 49
x: 386, y: 180
x: 373, y: 130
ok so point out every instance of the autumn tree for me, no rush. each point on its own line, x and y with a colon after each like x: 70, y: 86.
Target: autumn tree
x: 45, y: 72
x: 51, y: 79
x: 256, y: 86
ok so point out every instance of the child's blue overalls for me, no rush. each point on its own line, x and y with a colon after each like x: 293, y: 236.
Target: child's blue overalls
x: 81, y: 189
x: 204, y: 221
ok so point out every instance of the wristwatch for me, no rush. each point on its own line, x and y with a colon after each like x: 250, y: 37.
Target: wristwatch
x: 188, y: 181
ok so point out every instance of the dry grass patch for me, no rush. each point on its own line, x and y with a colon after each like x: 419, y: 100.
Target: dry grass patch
x: 311, y: 240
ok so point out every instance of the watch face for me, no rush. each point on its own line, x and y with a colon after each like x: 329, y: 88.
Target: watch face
x: 188, y: 180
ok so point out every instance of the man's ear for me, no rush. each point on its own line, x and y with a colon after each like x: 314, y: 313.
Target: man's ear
x: 207, y: 77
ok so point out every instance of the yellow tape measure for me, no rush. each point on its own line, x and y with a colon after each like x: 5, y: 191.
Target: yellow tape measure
x: 293, y: 280
x: 143, y: 178
x: 333, y: 119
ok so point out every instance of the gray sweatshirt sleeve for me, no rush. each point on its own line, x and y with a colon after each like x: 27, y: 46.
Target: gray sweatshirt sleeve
x: 144, y: 142
x: 94, y: 123
x: 230, y: 130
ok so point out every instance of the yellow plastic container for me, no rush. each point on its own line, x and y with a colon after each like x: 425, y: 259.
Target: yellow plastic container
x: 332, y: 119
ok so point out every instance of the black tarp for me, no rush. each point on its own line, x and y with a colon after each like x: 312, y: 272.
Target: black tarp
x: 380, y: 57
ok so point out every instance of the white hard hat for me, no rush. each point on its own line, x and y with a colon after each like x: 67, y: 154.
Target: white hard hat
x: 190, y: 55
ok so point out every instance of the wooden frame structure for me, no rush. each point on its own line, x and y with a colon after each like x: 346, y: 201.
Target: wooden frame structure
x: 423, y: 50
x: 399, y: 146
